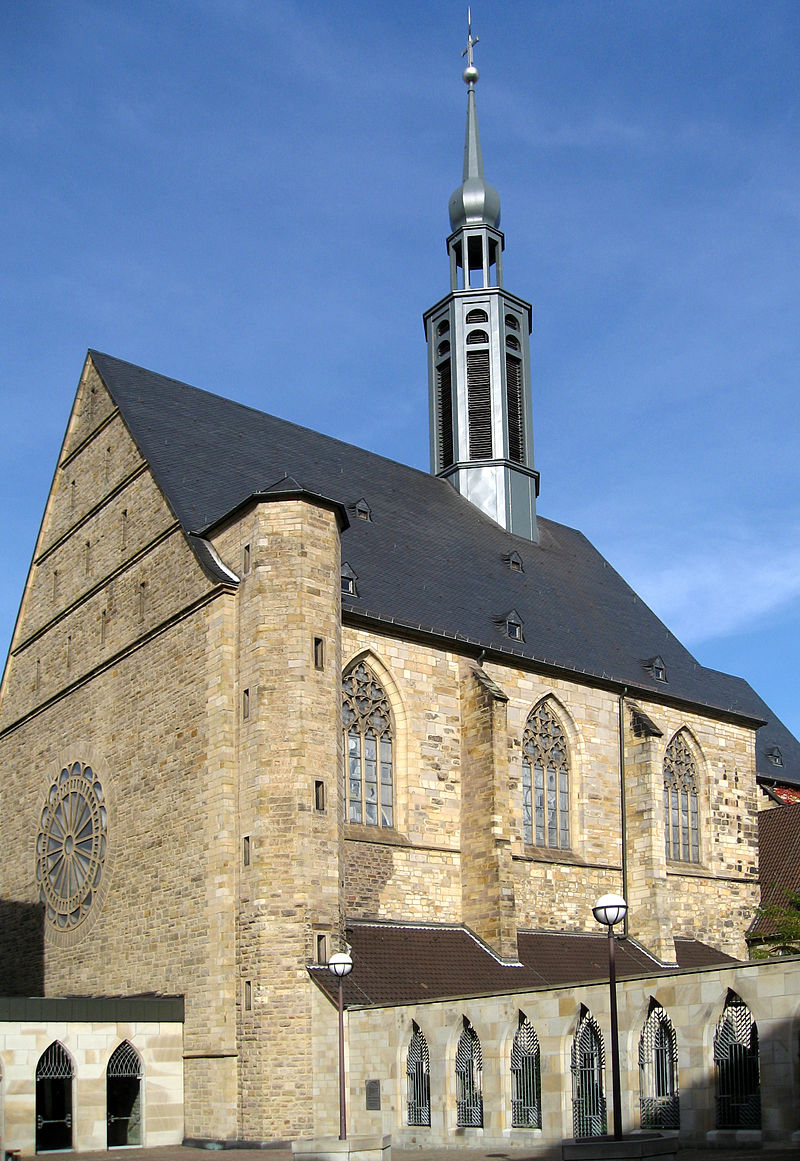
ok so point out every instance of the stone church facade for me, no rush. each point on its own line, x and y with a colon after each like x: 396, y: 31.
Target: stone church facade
x: 243, y: 709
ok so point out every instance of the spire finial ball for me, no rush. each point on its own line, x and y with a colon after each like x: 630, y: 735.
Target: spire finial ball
x: 470, y: 75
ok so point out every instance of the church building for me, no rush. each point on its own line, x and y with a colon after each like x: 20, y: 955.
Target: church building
x: 270, y: 695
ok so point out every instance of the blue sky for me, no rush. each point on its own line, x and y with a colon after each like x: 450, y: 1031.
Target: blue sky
x: 252, y: 197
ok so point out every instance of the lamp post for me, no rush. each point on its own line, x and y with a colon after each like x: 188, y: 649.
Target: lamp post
x: 340, y: 965
x: 609, y: 910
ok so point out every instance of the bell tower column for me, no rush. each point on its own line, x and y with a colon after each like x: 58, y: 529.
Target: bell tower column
x: 479, y: 355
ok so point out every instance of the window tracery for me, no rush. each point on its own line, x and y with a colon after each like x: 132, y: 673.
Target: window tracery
x: 681, y: 830
x: 71, y: 845
x: 545, y: 780
x: 369, y: 732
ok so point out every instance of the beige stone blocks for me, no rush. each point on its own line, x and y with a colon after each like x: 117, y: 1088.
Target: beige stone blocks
x: 377, y: 1043
x: 159, y: 1046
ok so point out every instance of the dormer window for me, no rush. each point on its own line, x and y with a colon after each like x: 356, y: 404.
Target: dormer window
x: 514, y: 562
x: 774, y: 756
x: 656, y: 666
x: 363, y: 510
x: 512, y: 623
x: 349, y: 579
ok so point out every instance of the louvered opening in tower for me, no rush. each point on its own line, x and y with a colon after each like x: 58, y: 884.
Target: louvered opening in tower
x: 479, y: 405
x: 444, y: 394
x: 516, y: 436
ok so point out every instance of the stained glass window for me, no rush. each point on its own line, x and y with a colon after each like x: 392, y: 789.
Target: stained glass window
x: 368, y: 737
x: 545, y: 780
x: 681, y: 832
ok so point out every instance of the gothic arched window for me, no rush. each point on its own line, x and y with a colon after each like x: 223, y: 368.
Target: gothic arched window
x: 545, y: 780
x: 418, y: 1074
x: 469, y: 1070
x: 124, y: 1097
x: 738, y: 1088
x: 588, y: 1087
x: 681, y: 835
x: 54, y: 1073
x: 368, y: 734
x: 526, y: 1077
x: 658, y: 1072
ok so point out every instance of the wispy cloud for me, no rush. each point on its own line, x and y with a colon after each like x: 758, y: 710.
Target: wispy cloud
x: 727, y: 587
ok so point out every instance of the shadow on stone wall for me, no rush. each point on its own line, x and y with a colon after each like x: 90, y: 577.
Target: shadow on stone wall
x: 21, y: 949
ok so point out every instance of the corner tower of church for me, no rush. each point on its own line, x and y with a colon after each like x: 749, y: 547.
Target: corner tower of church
x: 479, y: 355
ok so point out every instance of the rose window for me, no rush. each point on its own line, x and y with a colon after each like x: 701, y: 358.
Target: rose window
x: 71, y: 846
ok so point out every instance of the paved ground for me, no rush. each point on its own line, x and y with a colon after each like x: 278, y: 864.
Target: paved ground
x: 181, y: 1153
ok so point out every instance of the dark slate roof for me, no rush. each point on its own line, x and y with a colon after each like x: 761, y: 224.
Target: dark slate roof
x: 405, y: 964
x: 427, y: 560
x: 778, y: 861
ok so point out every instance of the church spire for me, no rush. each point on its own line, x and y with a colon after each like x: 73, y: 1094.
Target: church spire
x: 478, y: 354
x: 474, y: 200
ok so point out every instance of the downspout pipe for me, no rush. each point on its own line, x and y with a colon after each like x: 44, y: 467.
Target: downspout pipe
x: 623, y: 810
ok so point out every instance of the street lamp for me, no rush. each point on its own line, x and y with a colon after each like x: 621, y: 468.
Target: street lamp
x: 610, y: 910
x: 340, y: 965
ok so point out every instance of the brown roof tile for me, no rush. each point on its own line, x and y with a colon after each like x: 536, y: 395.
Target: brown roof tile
x: 405, y: 963
x: 778, y: 860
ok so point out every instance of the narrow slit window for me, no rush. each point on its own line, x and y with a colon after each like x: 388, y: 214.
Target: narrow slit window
x: 319, y: 653
x: 319, y: 795
x: 246, y: 559
x: 246, y: 704
x: 322, y: 949
x: 246, y: 850
x: 248, y: 995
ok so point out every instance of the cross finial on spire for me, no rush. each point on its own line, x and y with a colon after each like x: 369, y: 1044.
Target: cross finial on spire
x: 471, y: 42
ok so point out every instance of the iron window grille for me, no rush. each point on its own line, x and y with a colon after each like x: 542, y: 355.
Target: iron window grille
x: 681, y: 829
x: 659, y: 1102
x: 526, y: 1077
x: 54, y: 1073
x: 736, y: 1065
x: 589, y: 1116
x: 418, y: 1074
x: 545, y: 780
x: 469, y: 1070
x: 124, y: 1097
x: 367, y: 718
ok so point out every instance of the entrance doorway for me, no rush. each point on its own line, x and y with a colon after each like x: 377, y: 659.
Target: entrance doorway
x: 124, y: 1097
x: 54, y: 1074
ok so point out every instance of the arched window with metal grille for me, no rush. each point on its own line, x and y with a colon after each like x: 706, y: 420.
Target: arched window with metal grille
x: 418, y: 1074
x: 368, y: 738
x: 526, y: 1077
x: 736, y: 1065
x: 124, y: 1097
x: 659, y: 1103
x: 545, y: 780
x: 681, y: 828
x: 589, y: 1118
x: 469, y: 1070
x: 54, y: 1073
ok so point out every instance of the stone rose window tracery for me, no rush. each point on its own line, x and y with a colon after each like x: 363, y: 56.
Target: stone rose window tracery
x: 367, y: 719
x: 71, y: 846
